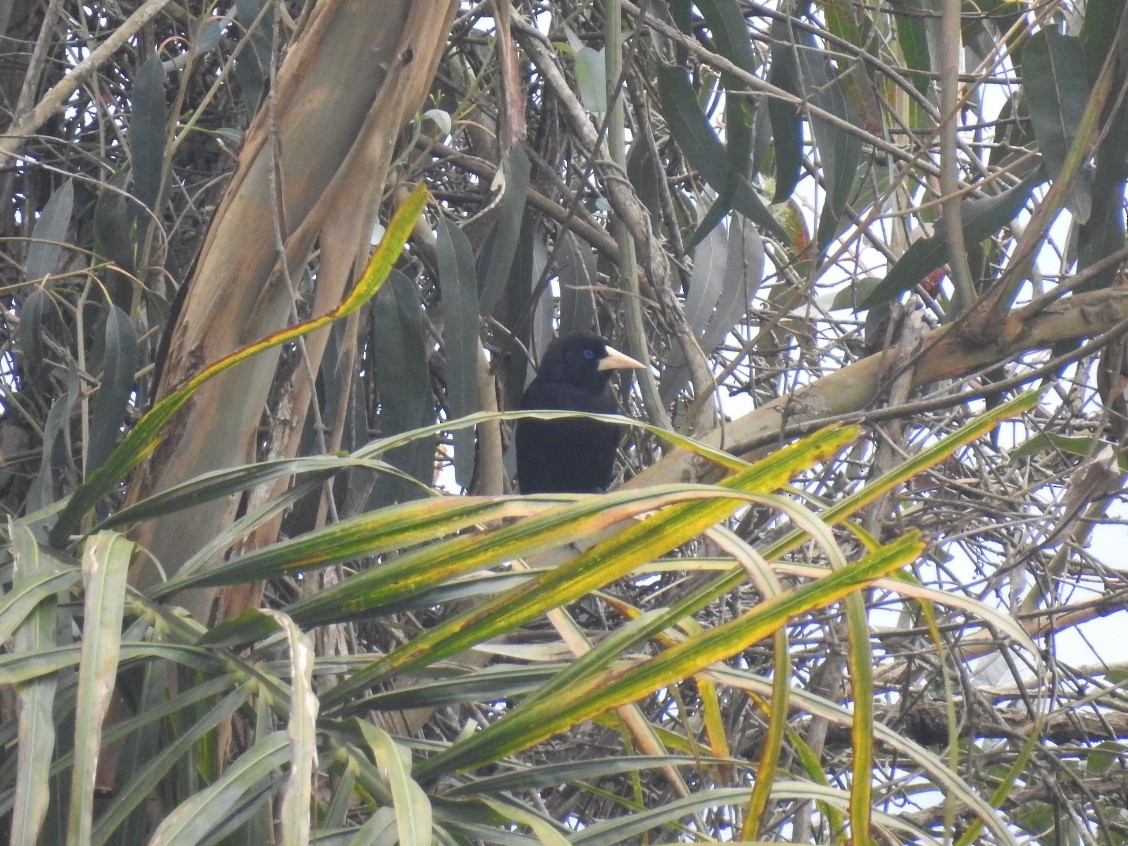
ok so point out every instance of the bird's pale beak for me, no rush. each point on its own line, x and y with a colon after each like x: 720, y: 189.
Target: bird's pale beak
x: 615, y: 360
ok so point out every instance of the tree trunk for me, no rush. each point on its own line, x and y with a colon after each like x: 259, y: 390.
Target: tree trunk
x: 314, y: 165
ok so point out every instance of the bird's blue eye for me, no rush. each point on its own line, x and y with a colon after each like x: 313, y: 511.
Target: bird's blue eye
x: 589, y: 353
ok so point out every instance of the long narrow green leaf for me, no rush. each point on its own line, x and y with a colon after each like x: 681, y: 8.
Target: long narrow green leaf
x: 421, y: 569
x: 400, y: 362
x: 147, y: 131
x: 204, y: 813
x: 603, y: 563
x: 697, y: 600
x: 105, y: 565
x: 859, y: 659
x: 697, y: 139
x: 301, y: 731
x: 980, y: 218
x: 461, y: 344
x: 587, y: 698
x: 413, y: 808
x: 497, y: 259
x: 395, y: 528
x: 36, y: 732
x: 761, y: 575
x: 232, y: 480
x: 482, y: 684
x: 912, y: 38
x: 548, y: 832
x: 27, y: 594
x: 1057, y: 89
x: 119, y: 365
x: 139, y: 788
x: 787, y: 128
x: 17, y: 669
x: 628, y: 829
x: 49, y: 235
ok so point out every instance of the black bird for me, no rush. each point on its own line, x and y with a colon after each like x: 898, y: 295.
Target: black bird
x: 573, y: 455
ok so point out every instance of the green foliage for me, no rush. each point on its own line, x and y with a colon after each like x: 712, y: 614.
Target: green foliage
x: 772, y: 629
x: 292, y: 708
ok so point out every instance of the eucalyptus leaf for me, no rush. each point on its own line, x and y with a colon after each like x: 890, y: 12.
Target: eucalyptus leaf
x: 698, y: 140
x: 497, y: 257
x: 147, y: 132
x: 1057, y: 91
x: 253, y: 65
x: 787, y: 127
x: 403, y: 378
x: 119, y: 366
x: 591, y: 80
x: 49, y: 235
x: 56, y: 462
x: 460, y: 339
x: 576, y: 272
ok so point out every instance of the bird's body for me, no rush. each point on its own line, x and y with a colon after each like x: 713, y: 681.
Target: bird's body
x: 573, y: 455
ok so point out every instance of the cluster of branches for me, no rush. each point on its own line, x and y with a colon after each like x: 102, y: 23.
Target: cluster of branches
x: 801, y: 214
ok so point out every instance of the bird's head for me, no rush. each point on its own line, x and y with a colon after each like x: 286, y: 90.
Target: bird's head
x: 583, y: 359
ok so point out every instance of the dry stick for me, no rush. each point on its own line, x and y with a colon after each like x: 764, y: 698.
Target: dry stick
x: 950, y: 50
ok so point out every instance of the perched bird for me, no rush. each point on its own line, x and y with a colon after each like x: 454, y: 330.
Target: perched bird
x: 575, y: 455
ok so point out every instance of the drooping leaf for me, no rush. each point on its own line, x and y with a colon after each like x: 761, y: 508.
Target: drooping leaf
x: 912, y: 38
x: 1098, y: 34
x: 105, y: 563
x: 247, y: 783
x: 1104, y: 232
x: 30, y: 330
x: 119, y: 365
x: 403, y: 379
x: 209, y: 34
x: 857, y: 86
x: 32, y: 570
x: 731, y: 36
x: 706, y: 280
x: 413, y: 808
x: 147, y: 132
x: 727, y: 272
x: 577, y: 275
x: 253, y: 66
x: 114, y: 244
x: 147, y: 434
x: 787, y: 128
x: 56, y: 461
x: 165, y: 753
x: 604, y: 690
x: 644, y: 173
x: 840, y: 152
x: 729, y: 29
x: 497, y: 257
x: 49, y: 235
x: 591, y: 80
x: 744, y: 271
x: 1054, y: 79
x: 697, y: 139
x: 460, y: 338
x: 513, y: 311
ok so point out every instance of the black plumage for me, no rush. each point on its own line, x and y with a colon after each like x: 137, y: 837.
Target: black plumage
x: 571, y: 455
